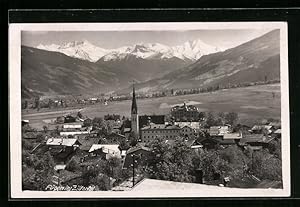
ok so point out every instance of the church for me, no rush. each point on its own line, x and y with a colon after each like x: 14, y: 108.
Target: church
x: 137, y: 121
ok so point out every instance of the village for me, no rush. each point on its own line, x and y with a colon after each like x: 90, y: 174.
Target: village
x: 184, y: 147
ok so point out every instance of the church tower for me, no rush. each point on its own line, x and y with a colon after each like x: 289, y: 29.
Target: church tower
x: 134, y: 115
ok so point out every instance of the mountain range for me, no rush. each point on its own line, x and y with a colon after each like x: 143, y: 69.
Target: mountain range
x: 188, y: 51
x: 81, y: 67
x: 253, y: 61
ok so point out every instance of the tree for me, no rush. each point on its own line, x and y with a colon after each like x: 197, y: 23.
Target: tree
x: 79, y: 115
x: 133, y: 139
x: 37, y: 103
x: 201, y: 115
x: 87, y: 122
x: 57, y: 129
x: 113, y: 163
x: 170, y: 162
x: 238, y: 161
x: 45, y: 128
x: 27, y: 145
x: 210, y: 119
x: 37, y: 171
x: 98, y: 122
x: 231, y: 118
x: 266, y: 165
x: 88, y: 174
x: 25, y: 104
x: 40, y: 137
x: 124, y: 145
x: 102, y: 181
x: 72, y: 165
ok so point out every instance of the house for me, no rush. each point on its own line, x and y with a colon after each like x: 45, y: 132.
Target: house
x: 156, y: 119
x: 73, y: 133
x: 126, y: 132
x: 257, y: 129
x: 62, y: 149
x: 218, y: 130
x: 225, y: 142
x: 151, y: 131
x: 185, y: 113
x: 63, y: 142
x: 208, y: 143
x: 60, y: 120
x: 254, y: 140
x: 105, y: 150
x: 188, y: 131
x: 59, y: 167
x: 138, y: 153
x: 25, y: 122
x: 87, y: 122
x: 233, y: 136
x: 69, y: 119
x: 72, y: 126
x: 277, y: 133
x: 191, y: 143
x: 275, y: 124
x: 192, y: 124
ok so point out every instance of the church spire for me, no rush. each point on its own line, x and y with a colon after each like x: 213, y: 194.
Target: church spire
x: 134, y: 105
x: 134, y: 114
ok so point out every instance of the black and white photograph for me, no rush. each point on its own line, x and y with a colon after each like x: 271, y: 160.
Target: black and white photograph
x: 181, y: 109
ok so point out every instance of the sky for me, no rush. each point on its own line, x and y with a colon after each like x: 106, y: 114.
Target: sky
x: 114, y: 39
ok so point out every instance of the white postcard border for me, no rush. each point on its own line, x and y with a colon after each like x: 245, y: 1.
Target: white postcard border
x: 15, y: 107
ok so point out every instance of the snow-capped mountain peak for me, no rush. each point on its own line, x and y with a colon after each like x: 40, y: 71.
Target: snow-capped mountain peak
x: 78, y: 49
x: 190, y: 50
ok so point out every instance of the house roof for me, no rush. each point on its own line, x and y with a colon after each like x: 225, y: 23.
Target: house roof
x: 278, y: 131
x: 127, y: 129
x: 62, y: 142
x: 203, y: 139
x: 226, y: 141
x: 253, y: 138
x: 106, y: 148
x: 72, y: 125
x: 73, y: 133
x: 115, y: 135
x: 218, y: 130
x: 136, y: 148
x: 259, y: 127
x: 160, y: 126
x: 190, y: 142
x: 275, y: 124
x: 232, y: 136
x: 192, y: 124
x: 59, y: 167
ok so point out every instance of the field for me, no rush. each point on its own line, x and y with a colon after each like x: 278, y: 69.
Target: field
x: 251, y: 103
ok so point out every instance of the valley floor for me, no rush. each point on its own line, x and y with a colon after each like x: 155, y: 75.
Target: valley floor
x: 251, y: 103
